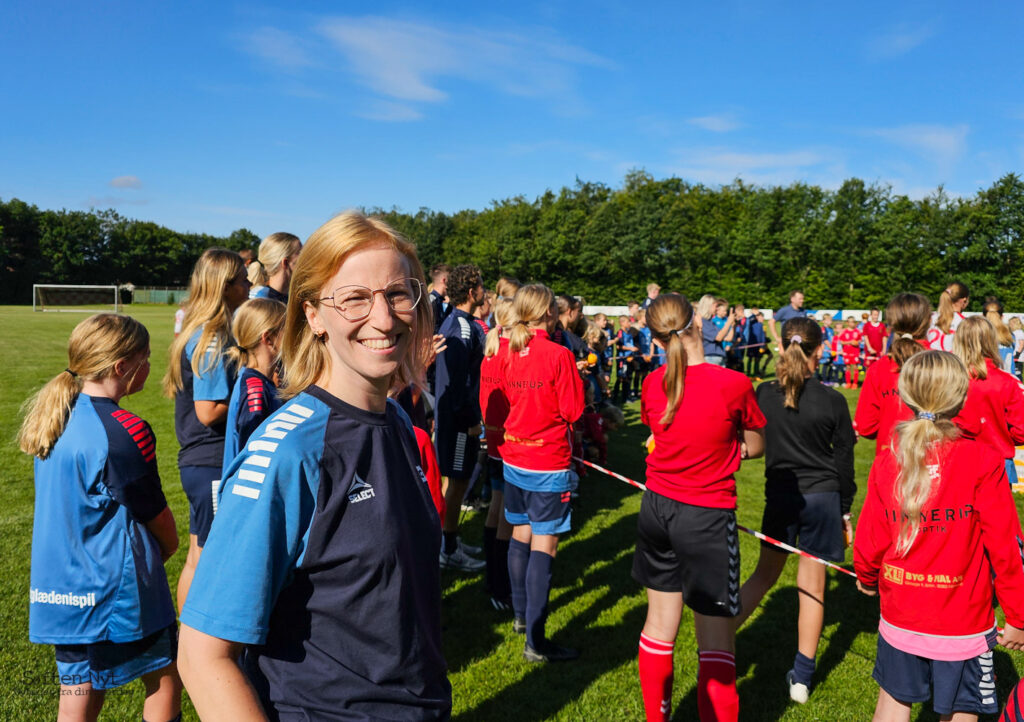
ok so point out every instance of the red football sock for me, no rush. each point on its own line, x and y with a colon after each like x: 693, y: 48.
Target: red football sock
x: 716, y: 687
x: 847, y: 375
x: 655, y: 661
x: 856, y: 376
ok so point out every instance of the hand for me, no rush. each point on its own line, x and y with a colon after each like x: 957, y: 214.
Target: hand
x: 870, y: 591
x: 1012, y: 638
x: 437, y: 346
x: 475, y: 431
x: 743, y: 450
x: 848, y: 531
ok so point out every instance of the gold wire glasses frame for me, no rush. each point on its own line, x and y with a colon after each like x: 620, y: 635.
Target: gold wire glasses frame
x: 354, y: 303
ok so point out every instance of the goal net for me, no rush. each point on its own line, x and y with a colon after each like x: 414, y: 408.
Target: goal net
x: 87, y: 299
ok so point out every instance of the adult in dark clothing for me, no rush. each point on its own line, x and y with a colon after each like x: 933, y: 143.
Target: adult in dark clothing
x: 809, y: 486
x: 653, y: 291
x: 757, y: 345
x: 438, y: 307
x: 457, y: 423
x: 794, y: 309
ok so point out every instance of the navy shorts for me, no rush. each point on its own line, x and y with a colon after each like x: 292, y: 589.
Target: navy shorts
x: 457, y: 452
x: 547, y: 512
x: 815, y: 520
x: 967, y: 686
x: 200, y: 484
x: 690, y: 549
x: 496, y: 474
x: 112, y: 664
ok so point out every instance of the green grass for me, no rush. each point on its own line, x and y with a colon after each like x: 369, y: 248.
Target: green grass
x: 595, y: 603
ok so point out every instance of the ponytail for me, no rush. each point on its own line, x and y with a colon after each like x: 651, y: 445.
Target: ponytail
x: 800, y: 338
x: 934, y: 385
x: 670, y: 316
x: 530, y: 305
x: 909, y: 316
x: 256, y: 272
x: 955, y: 292
x: 255, y: 317
x: 96, y: 344
x: 504, y: 317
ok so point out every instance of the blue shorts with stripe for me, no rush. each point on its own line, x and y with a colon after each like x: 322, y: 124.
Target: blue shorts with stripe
x: 964, y: 686
x: 106, y: 665
x: 541, y: 499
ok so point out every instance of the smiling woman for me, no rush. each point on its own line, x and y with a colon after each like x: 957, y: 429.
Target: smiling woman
x: 318, y: 590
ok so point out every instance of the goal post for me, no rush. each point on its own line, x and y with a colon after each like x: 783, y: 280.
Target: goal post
x: 69, y: 297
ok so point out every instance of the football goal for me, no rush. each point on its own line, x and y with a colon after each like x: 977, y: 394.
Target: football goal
x: 87, y: 299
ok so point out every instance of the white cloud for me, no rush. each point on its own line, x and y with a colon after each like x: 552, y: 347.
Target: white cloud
x: 410, y: 61
x: 898, y: 41
x: 277, y: 47
x: 721, y: 123
x: 390, y: 112
x: 722, y: 166
x: 126, y: 181
x: 943, y: 144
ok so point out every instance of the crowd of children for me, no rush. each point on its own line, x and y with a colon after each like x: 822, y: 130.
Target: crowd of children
x: 313, y: 439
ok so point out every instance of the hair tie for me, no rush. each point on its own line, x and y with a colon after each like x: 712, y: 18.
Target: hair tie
x: 689, y: 323
x: 498, y: 328
x: 796, y: 338
x: 73, y: 374
x: 926, y: 415
x: 907, y: 335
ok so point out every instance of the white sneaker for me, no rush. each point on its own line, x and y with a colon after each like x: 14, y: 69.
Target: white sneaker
x: 461, y: 561
x: 798, y: 692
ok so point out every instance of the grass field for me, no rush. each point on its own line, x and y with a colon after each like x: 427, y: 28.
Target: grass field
x: 595, y: 603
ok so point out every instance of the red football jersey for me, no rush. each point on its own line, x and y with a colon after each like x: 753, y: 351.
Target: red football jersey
x: 995, y: 406
x: 969, y: 541
x: 545, y: 395
x: 695, y: 456
x: 493, y: 402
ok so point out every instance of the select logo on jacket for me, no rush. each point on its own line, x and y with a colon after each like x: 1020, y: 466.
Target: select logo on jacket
x: 359, y: 491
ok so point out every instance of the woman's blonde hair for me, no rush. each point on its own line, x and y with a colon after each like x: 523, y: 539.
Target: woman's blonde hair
x: 706, y: 306
x: 934, y: 385
x: 305, y: 356
x: 975, y: 341
x: 95, y: 346
x: 255, y: 317
x: 506, y: 287
x: 994, y: 314
x: 1015, y: 324
x: 504, y: 318
x: 909, y: 316
x: 956, y: 291
x: 215, y: 270
x: 670, y: 316
x: 274, y: 249
x: 792, y: 367
x: 530, y: 305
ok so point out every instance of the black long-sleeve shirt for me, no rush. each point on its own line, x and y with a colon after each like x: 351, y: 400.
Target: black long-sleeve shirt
x: 808, y: 449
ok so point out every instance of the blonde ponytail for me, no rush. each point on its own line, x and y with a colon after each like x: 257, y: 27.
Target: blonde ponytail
x: 974, y: 341
x: 530, y: 305
x: 800, y: 338
x: 955, y: 292
x: 934, y: 385
x: 669, y: 316
x: 504, y: 318
x: 909, y: 316
x: 255, y: 317
x: 95, y: 345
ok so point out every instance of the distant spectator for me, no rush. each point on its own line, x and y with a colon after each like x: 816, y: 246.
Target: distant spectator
x: 247, y: 256
x: 653, y: 289
x: 795, y: 309
x: 179, y: 317
x: 714, y: 334
x: 438, y: 291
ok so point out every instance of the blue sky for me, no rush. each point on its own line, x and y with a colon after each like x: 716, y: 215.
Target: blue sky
x: 214, y: 116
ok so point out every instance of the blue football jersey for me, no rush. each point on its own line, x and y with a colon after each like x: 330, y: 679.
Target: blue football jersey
x: 97, y: 574
x: 271, y: 293
x: 323, y: 559
x: 457, y: 383
x: 201, y: 445
x: 253, y: 399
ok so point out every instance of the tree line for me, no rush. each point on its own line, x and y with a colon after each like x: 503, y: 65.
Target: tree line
x: 850, y: 247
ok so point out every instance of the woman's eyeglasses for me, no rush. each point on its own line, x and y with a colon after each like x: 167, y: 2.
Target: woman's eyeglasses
x: 354, y: 303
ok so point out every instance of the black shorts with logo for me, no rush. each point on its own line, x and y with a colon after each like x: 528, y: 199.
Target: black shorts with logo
x: 690, y: 549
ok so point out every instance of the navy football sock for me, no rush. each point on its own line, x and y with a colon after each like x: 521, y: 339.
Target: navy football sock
x: 518, y: 561
x: 501, y: 588
x: 803, y: 669
x: 538, y: 585
x: 490, y: 534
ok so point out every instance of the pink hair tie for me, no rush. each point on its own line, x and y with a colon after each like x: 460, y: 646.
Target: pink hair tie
x: 796, y: 338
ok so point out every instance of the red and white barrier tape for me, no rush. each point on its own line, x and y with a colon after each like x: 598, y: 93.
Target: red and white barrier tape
x: 759, y: 535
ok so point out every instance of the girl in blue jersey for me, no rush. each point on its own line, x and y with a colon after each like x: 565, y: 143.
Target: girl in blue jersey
x: 318, y: 595
x: 199, y: 379
x: 271, y: 272
x: 102, y: 527
x: 256, y: 328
